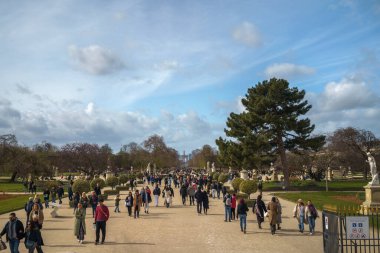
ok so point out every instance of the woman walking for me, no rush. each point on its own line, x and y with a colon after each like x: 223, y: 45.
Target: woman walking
x: 137, y: 202
x: 33, y: 239
x: 273, y: 208
x: 299, y: 214
x: 312, y: 214
x: 279, y: 214
x: 76, y: 200
x: 205, y: 202
x: 233, y: 206
x: 259, y: 210
x: 129, y: 203
x: 37, y: 215
x: 84, y: 201
x: 80, y: 223
x: 242, y: 210
x: 147, y: 198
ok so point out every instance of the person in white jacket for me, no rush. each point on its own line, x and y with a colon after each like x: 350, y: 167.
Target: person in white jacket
x: 311, y: 214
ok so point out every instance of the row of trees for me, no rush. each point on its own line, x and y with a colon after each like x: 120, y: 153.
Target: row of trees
x: 44, y: 159
x: 273, y: 127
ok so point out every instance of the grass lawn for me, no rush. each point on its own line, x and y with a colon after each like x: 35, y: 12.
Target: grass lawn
x: 320, y: 199
x: 11, y: 187
x: 352, y: 185
x: 10, y: 203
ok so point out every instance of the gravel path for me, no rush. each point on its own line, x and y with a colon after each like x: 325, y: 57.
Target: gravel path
x: 176, y: 229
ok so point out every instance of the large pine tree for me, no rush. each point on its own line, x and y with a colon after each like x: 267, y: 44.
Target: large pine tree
x: 272, y: 123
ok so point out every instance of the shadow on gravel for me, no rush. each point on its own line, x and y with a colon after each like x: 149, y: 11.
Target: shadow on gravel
x: 57, y: 229
x: 64, y: 217
x: 129, y: 243
x: 64, y: 246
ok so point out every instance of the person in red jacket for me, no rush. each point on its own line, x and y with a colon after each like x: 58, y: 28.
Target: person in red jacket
x: 233, y: 206
x: 101, y: 218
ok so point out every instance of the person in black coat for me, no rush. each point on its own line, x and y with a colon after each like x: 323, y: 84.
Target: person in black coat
x: 97, y: 190
x: 60, y: 193
x: 183, y: 192
x: 14, y: 231
x: 33, y: 237
x: 205, y: 202
x: 199, y: 197
x: 259, y: 209
x: 242, y: 210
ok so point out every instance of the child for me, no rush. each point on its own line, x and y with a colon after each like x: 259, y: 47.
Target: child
x: 117, y: 201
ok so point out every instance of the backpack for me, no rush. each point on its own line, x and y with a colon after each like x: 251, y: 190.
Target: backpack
x: 228, y: 201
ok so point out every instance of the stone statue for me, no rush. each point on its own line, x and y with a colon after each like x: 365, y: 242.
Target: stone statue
x: 373, y: 170
x: 208, y: 166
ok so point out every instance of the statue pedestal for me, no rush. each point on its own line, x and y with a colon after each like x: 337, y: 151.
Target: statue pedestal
x: 244, y: 174
x: 372, y: 197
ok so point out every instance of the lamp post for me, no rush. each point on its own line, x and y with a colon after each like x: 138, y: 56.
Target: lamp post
x: 326, y: 177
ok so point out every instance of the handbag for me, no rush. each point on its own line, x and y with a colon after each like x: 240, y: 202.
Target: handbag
x: 3, y: 246
x: 29, y: 244
x: 266, y: 214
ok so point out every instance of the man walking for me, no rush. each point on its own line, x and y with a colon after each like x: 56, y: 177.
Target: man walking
x: 101, y: 218
x: 227, y: 207
x: 60, y: 193
x: 191, y: 193
x: 156, y: 194
x: 14, y: 231
x: 199, y: 198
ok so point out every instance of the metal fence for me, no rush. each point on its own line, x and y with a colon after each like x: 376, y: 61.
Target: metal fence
x: 351, y: 230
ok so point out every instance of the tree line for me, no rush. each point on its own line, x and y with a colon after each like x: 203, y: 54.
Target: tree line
x: 44, y: 159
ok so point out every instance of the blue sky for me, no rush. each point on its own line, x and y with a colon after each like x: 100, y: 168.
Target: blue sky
x: 119, y: 71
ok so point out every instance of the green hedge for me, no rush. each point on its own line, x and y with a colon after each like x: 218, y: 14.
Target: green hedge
x: 111, y: 192
x: 99, y: 181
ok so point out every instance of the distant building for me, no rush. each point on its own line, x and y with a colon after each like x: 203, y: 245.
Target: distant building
x: 184, y: 158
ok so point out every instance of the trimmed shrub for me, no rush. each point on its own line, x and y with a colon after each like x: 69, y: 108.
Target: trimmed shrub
x: 112, y: 181
x: 241, y: 196
x: 139, y: 182
x: 131, y: 176
x: 248, y: 187
x: 236, y: 183
x: 223, y: 178
x: 139, y: 175
x: 215, y: 176
x: 111, y: 192
x: 122, y: 188
x: 81, y: 185
x: 123, y: 179
x: 99, y: 181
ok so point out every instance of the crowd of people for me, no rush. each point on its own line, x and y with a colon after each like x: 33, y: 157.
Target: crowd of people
x: 194, y: 190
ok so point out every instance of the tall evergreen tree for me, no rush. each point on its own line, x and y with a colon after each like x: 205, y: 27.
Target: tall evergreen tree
x: 273, y: 123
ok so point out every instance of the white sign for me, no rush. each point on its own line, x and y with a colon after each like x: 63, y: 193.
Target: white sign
x: 357, y: 227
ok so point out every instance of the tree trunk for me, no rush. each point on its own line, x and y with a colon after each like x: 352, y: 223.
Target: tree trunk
x: 13, y: 177
x: 284, y: 161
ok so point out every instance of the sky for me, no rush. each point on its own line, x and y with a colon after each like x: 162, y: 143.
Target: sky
x: 120, y: 71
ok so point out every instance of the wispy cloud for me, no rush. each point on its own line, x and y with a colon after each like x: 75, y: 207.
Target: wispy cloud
x: 288, y: 70
x: 247, y: 34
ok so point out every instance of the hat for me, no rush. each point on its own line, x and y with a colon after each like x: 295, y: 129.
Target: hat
x: 300, y: 201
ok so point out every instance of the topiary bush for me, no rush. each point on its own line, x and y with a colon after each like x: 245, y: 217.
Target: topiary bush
x: 111, y: 192
x: 112, y: 181
x: 42, y: 185
x: 123, y: 179
x: 236, y: 183
x: 81, y: 185
x: 223, y: 178
x: 248, y: 187
x: 215, y: 176
x: 99, y: 181
x: 139, y: 175
x: 122, y: 188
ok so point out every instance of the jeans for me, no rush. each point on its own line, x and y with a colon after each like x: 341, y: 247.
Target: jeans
x: 156, y: 200
x: 37, y: 247
x: 93, y: 209
x: 184, y: 200
x: 218, y: 194
x: 53, y: 199
x: 301, y: 225
x: 243, y: 221
x: 311, y: 224
x: 136, y: 212
x: 233, y: 213
x: 146, y: 207
x: 129, y: 210
x: 117, y: 209
x: 227, y: 213
x: 199, y: 206
x: 100, y: 225
x: 191, y: 198
x: 13, y: 245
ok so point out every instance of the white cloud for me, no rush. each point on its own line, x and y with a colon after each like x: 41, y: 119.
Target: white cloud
x: 167, y: 65
x: 347, y: 94
x: 89, y: 109
x: 247, y: 34
x: 95, y: 59
x: 288, y: 70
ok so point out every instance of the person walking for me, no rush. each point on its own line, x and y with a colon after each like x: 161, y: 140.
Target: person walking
x: 33, y: 237
x: 279, y: 214
x: 137, y: 203
x: 299, y: 214
x: 233, y: 206
x: 84, y: 200
x: 97, y: 190
x: 129, y: 203
x: 46, y: 195
x: 311, y: 214
x: 242, y: 210
x: 218, y: 189
x: 205, y: 202
x: 191, y: 193
x: 183, y: 193
x: 70, y: 191
x: 101, y: 217
x: 14, y: 232
x: 94, y: 200
x: 53, y: 193
x: 80, y: 223
x: 156, y: 194
x: 227, y: 207
x: 272, y: 216
x: 146, y: 198
x: 117, y: 203
x: 259, y: 209
x: 213, y: 189
x: 37, y: 214
x: 76, y: 200
x: 28, y: 208
x: 60, y: 193
x: 199, y: 198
